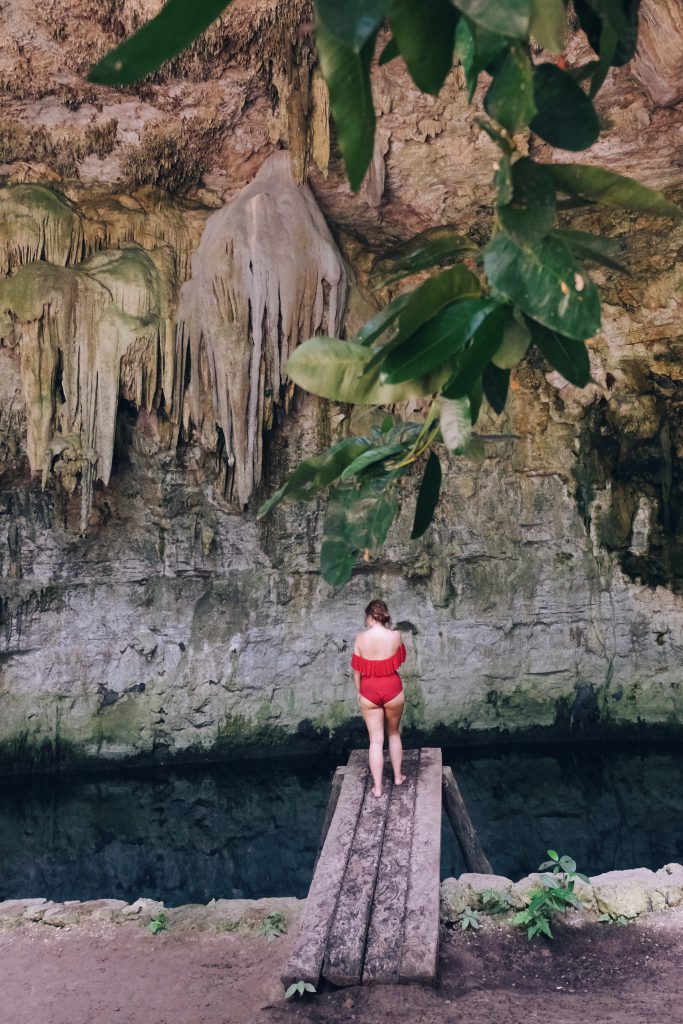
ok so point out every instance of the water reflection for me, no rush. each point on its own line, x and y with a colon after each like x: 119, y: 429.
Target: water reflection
x: 608, y: 807
x: 181, y: 836
x: 189, y: 835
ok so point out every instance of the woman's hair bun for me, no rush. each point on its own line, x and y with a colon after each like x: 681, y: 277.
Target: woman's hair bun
x: 378, y: 611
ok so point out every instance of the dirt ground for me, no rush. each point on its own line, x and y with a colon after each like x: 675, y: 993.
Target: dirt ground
x: 600, y: 974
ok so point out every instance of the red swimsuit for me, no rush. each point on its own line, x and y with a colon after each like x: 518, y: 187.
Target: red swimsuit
x: 380, y: 681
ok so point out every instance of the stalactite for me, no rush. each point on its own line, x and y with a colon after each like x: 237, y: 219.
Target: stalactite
x: 320, y: 122
x: 85, y: 336
x: 37, y: 223
x: 266, y: 275
x: 150, y: 217
x: 372, y: 188
x: 659, y: 58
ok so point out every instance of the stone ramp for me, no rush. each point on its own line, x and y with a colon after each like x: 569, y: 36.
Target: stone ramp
x: 372, y: 911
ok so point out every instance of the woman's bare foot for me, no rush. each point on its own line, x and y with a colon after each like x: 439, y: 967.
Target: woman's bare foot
x: 375, y: 794
x: 401, y: 779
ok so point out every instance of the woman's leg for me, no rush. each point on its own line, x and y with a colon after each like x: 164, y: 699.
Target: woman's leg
x: 393, y: 710
x: 374, y: 720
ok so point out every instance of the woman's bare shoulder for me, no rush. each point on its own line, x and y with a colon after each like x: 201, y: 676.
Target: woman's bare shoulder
x: 397, y: 634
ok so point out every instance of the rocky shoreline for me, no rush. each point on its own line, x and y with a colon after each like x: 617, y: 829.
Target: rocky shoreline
x: 625, y: 895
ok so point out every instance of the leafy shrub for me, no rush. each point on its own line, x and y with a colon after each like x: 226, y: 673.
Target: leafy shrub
x: 469, y: 919
x: 159, y: 923
x: 299, y: 988
x: 554, y: 896
x: 273, y: 925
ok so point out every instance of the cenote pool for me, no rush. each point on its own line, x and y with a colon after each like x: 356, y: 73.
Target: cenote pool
x: 251, y: 830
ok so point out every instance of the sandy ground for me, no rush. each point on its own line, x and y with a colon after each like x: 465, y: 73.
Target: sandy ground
x: 104, y: 973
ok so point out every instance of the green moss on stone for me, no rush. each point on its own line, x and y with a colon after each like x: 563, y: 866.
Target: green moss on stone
x: 414, y: 713
x: 24, y: 753
x: 120, y: 723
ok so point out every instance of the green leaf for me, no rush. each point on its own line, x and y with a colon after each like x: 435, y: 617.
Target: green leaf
x: 425, y: 302
x: 508, y: 18
x: 389, y: 53
x: 352, y: 22
x: 367, y: 458
x: 544, y: 927
x: 177, y: 25
x: 379, y: 323
x: 336, y: 369
x: 313, y: 474
x: 545, y: 282
x: 433, y: 247
x: 502, y: 181
x: 359, y: 514
x: 549, y: 24
x: 476, y: 49
x: 516, y: 341
x: 496, y: 383
x: 291, y: 990
x: 428, y: 496
x: 476, y: 396
x: 530, y: 214
x: 308, y: 987
x: 455, y: 418
x: 619, y: 18
x: 596, y: 248
x: 510, y: 97
x: 566, y: 117
x: 603, y: 186
x: 436, y: 341
x: 471, y: 364
x: 347, y: 74
x: 568, y: 864
x: 566, y: 355
x: 425, y: 34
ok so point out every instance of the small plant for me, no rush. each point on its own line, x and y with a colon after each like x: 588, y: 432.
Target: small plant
x: 563, y: 865
x: 615, y: 918
x: 299, y: 988
x: 497, y: 901
x: 554, y: 896
x: 273, y: 925
x: 469, y: 919
x: 159, y: 923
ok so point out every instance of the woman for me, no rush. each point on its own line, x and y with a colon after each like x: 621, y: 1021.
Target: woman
x: 377, y: 653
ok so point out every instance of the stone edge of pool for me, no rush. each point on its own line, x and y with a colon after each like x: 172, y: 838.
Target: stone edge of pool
x: 626, y: 894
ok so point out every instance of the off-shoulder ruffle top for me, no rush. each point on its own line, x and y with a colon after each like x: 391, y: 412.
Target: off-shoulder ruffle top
x: 379, y: 666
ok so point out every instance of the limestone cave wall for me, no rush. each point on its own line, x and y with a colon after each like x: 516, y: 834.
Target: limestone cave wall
x: 163, y: 249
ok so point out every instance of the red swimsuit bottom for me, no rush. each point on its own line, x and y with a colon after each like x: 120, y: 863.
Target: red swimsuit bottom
x: 380, y: 681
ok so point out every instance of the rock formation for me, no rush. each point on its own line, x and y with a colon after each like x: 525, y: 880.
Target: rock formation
x: 266, y: 275
x: 144, y: 333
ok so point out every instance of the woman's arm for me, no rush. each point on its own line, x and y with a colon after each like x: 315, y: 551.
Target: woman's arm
x: 356, y: 673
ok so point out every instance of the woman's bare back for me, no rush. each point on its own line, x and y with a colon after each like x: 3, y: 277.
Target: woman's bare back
x: 378, y: 642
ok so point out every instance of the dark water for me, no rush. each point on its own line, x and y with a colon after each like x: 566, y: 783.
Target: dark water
x: 608, y: 807
x: 181, y: 836
x: 189, y: 835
